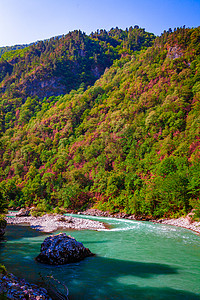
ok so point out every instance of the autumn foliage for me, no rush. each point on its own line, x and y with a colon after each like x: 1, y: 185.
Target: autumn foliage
x: 128, y: 142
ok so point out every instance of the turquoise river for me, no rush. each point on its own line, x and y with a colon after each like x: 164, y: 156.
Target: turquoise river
x: 134, y: 260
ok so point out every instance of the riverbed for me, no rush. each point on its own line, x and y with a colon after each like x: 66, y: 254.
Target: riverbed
x: 134, y: 260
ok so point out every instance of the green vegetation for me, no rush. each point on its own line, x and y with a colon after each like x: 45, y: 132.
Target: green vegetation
x: 42, y: 208
x: 3, y: 270
x: 3, y: 204
x: 2, y: 222
x: 55, y: 66
x: 129, y: 142
x: 11, y: 48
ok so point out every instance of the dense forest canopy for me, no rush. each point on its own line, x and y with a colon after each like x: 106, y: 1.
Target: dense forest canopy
x: 109, y: 120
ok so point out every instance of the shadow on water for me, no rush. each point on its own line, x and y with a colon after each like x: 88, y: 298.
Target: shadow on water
x: 95, y: 242
x: 115, y: 268
x: 17, y: 246
x: 104, y: 278
x: 21, y: 231
x: 18, y: 232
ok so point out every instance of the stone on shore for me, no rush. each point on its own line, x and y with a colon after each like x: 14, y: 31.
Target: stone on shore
x: 16, y: 288
x: 23, y: 212
x: 62, y: 249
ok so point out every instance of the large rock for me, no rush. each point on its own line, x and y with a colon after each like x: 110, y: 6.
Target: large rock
x: 62, y: 249
x: 24, y: 212
x: 3, y: 224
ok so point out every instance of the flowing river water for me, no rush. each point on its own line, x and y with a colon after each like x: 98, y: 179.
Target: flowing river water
x: 134, y: 260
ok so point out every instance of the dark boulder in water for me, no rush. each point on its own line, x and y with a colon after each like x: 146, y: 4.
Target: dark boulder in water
x: 62, y: 249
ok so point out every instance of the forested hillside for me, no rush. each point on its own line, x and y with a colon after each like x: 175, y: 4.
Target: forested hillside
x: 11, y: 48
x: 55, y: 66
x: 58, y: 65
x: 130, y: 142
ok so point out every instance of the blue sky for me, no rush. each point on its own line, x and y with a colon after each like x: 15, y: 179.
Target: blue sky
x: 25, y: 21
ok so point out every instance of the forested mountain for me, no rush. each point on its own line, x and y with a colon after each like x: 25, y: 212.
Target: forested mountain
x: 55, y: 66
x: 11, y: 48
x: 58, y: 65
x: 130, y: 142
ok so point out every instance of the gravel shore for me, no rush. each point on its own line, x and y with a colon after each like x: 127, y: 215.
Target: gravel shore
x: 184, y: 222
x: 54, y: 222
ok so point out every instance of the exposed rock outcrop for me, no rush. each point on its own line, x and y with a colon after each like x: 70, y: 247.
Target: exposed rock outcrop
x: 62, y: 249
x: 174, y: 52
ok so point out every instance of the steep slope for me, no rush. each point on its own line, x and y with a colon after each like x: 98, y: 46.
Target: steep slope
x: 129, y: 143
x: 58, y: 65
x: 55, y: 66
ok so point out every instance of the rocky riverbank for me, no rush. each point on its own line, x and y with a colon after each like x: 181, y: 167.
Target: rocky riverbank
x: 13, y: 288
x: 185, y: 222
x: 54, y: 222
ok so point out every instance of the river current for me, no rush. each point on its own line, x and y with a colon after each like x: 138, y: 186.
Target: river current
x: 134, y: 260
